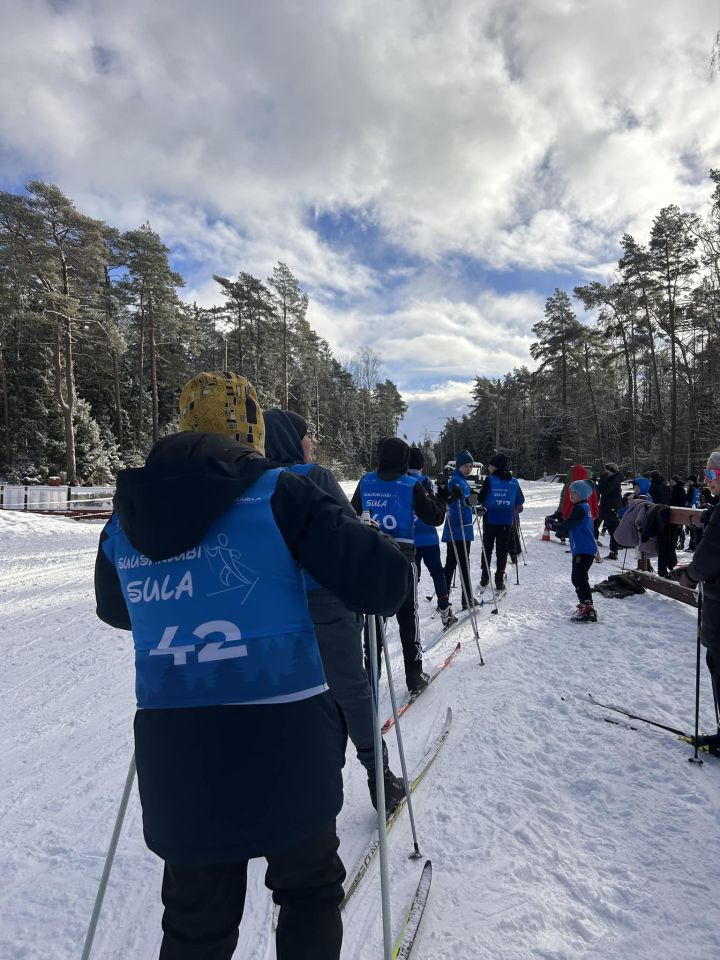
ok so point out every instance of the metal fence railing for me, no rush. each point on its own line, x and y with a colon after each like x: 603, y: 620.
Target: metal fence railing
x: 64, y: 500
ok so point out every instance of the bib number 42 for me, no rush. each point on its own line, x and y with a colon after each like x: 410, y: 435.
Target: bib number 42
x: 212, y: 650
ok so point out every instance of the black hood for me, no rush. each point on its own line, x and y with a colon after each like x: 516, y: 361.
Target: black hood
x: 393, y: 455
x: 283, y: 437
x: 188, y: 481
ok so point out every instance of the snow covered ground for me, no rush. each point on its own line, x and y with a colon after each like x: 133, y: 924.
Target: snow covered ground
x: 553, y: 834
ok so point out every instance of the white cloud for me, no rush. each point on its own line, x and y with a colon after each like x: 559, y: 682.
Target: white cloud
x: 510, y: 133
x: 518, y: 132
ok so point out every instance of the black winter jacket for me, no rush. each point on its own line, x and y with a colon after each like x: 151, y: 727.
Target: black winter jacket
x: 677, y: 494
x: 610, y: 491
x: 660, y: 491
x: 228, y: 783
x: 705, y: 567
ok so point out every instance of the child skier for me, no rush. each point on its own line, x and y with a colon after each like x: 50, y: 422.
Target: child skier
x: 579, y: 528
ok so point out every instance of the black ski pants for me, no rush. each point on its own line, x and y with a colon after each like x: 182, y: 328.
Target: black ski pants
x: 204, y: 903
x: 451, y: 562
x: 409, y: 624
x: 712, y: 659
x: 581, y: 564
x: 611, y: 525
x: 495, y: 535
x: 339, y: 637
x: 430, y: 556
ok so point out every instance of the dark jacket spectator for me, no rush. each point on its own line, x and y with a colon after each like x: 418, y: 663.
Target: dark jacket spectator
x: 677, y: 492
x: 659, y: 488
x: 609, y: 485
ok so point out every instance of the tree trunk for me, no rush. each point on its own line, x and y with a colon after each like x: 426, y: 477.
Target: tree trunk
x: 141, y: 363
x: 63, y: 345
x: 598, y: 433
x: 153, y: 370
x: 118, y: 401
x: 6, y: 411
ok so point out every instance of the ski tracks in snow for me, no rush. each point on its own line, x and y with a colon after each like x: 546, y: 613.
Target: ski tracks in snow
x: 552, y: 836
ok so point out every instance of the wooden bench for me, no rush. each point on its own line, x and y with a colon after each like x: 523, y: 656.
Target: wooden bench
x: 681, y: 516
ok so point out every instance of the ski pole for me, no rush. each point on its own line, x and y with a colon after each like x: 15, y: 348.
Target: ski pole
x: 470, y: 603
x: 371, y: 634
x: 90, y: 935
x: 487, y: 562
x: 522, y: 539
x: 695, y: 758
x: 416, y: 854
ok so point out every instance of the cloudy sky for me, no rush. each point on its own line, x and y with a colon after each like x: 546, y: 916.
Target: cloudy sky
x: 430, y: 169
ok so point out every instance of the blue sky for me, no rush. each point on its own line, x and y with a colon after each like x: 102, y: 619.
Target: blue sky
x: 430, y: 169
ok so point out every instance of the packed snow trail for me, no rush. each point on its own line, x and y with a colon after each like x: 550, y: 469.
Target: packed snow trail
x: 552, y: 836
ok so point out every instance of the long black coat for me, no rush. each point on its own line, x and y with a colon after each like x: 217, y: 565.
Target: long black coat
x: 610, y: 496
x: 705, y: 567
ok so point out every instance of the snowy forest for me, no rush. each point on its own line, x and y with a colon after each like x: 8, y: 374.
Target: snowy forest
x: 632, y: 381
x: 96, y: 343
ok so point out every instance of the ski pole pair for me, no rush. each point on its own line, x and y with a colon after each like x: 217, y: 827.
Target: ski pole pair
x: 465, y: 587
x: 373, y: 628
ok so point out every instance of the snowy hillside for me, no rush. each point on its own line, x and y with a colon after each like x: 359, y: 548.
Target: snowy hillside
x: 554, y: 835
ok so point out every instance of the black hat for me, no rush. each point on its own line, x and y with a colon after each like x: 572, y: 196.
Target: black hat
x: 499, y: 461
x: 417, y: 460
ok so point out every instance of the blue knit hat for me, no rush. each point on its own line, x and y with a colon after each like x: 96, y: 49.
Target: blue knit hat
x: 462, y: 458
x: 583, y: 488
x: 643, y: 483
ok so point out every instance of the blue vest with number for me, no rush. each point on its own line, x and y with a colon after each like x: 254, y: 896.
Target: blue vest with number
x: 582, y: 537
x: 303, y: 469
x: 226, y: 622
x: 425, y: 535
x: 501, y: 500
x: 459, y: 517
x: 390, y: 502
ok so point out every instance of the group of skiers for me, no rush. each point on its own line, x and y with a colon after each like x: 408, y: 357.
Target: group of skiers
x: 245, y: 575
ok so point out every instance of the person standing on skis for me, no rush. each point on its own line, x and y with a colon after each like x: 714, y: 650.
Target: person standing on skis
x: 394, y: 499
x: 458, y: 532
x: 427, y: 544
x: 705, y: 568
x: 239, y: 745
x: 501, y: 496
x: 338, y: 630
x: 580, y: 529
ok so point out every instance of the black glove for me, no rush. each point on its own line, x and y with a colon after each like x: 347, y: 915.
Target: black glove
x: 456, y: 494
x: 684, y: 578
x: 471, y: 500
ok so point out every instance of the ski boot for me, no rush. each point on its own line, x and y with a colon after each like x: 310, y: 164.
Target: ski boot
x: 394, y: 786
x: 448, y: 617
x: 474, y: 602
x: 500, y: 583
x: 585, y: 614
x: 417, y: 683
x: 612, y: 555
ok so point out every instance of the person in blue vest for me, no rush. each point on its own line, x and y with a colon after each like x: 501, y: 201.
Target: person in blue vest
x: 458, y: 532
x: 239, y: 745
x: 427, y: 544
x: 338, y: 630
x: 580, y: 529
x: 394, y: 499
x: 501, y: 496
